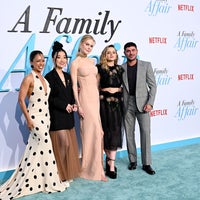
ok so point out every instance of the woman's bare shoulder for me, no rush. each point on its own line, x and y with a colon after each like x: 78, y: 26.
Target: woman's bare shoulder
x: 74, y: 63
x: 92, y: 60
x: 28, y: 78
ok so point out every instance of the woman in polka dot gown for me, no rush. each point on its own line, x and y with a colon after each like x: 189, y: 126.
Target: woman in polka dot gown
x: 37, y: 171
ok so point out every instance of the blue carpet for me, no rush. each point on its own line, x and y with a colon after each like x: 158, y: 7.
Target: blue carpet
x: 177, y: 178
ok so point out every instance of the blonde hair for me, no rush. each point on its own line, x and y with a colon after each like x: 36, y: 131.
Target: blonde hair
x: 103, y: 60
x: 83, y: 39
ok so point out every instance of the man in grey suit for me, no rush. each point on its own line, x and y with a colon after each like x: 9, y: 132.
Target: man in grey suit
x: 139, y: 90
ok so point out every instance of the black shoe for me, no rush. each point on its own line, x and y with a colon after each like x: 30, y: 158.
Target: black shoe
x: 148, y: 169
x: 110, y: 174
x: 132, y: 165
x: 108, y: 166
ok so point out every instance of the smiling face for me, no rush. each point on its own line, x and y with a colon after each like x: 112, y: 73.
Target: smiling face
x: 87, y: 46
x: 111, y: 54
x: 60, y: 59
x: 131, y: 53
x: 38, y: 62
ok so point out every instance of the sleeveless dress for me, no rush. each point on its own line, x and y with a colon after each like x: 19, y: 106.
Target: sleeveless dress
x: 111, y: 106
x: 37, y: 171
x: 90, y: 127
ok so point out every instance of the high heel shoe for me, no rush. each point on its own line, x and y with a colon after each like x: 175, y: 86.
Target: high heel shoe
x: 108, y: 166
x: 111, y: 174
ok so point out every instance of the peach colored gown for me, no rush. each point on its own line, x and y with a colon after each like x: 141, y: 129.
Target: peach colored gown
x: 90, y: 126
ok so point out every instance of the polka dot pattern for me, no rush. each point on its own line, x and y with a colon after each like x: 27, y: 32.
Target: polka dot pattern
x: 37, y: 171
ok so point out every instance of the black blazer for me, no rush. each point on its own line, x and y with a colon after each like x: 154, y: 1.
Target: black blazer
x: 60, y: 96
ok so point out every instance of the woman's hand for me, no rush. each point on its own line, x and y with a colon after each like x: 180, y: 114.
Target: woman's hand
x: 75, y: 108
x: 80, y: 111
x: 69, y: 108
x: 30, y: 124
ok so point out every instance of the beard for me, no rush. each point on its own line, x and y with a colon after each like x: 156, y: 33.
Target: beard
x: 132, y: 59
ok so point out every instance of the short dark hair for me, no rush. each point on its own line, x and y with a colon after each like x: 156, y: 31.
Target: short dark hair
x: 130, y: 44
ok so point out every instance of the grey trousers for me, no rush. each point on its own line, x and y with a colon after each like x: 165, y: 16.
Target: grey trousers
x: 143, y: 118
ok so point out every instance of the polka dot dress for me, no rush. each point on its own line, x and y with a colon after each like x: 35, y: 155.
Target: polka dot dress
x: 37, y: 171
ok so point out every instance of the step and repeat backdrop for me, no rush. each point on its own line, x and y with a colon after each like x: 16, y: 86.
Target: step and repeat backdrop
x: 167, y: 33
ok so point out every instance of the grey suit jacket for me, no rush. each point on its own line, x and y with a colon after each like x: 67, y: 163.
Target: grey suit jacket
x: 145, y: 85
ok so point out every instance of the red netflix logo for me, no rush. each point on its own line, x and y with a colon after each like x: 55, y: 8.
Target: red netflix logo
x: 183, y: 7
x: 154, y: 113
x: 157, y: 40
x: 185, y: 77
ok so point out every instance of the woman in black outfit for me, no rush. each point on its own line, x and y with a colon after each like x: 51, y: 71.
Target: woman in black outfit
x: 110, y: 75
x: 61, y: 106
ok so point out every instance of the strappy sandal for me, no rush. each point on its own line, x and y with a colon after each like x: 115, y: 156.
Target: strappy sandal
x: 111, y: 174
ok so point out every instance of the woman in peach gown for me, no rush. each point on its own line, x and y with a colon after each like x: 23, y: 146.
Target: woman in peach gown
x: 84, y: 75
